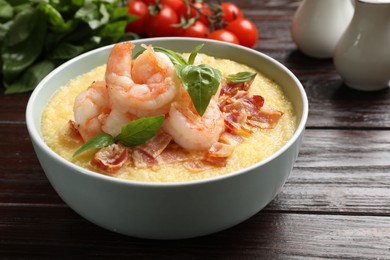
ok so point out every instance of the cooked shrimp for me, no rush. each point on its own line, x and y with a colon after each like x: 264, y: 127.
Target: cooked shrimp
x: 90, y: 108
x: 145, y: 89
x: 190, y: 130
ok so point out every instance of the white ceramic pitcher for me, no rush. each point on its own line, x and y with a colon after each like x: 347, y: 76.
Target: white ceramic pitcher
x: 318, y: 25
x: 362, y: 56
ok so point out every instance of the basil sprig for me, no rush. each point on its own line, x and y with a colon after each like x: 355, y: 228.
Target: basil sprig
x: 241, y: 77
x: 99, y: 141
x: 200, y: 81
x: 132, y: 134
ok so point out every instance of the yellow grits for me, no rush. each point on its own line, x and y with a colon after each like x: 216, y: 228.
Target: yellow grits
x: 260, y: 145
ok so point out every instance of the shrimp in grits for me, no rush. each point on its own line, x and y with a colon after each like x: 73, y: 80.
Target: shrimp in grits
x: 151, y: 115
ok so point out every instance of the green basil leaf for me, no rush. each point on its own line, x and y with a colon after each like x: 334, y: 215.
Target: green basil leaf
x: 99, y: 141
x: 176, y: 58
x: 241, y: 77
x: 195, y: 52
x: 201, y: 83
x: 139, y: 131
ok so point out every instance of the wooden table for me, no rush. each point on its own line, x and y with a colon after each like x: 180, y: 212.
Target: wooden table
x: 336, y: 203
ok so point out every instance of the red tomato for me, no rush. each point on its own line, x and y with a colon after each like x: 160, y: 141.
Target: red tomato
x: 174, y: 4
x: 245, y: 30
x: 139, y: 9
x: 231, y: 12
x: 149, y: 2
x: 224, y: 35
x: 161, y: 24
x: 198, y: 30
x: 191, y: 12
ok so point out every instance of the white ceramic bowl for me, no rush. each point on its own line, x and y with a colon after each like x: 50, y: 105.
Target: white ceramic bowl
x: 168, y: 210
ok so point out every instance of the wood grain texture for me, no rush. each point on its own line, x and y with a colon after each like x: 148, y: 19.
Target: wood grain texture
x: 58, y: 232
x: 335, y: 204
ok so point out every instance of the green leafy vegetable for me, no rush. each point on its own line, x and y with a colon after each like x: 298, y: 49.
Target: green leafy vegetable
x: 6, y: 11
x: 99, y: 141
x: 241, y: 77
x: 36, y: 33
x: 139, y: 131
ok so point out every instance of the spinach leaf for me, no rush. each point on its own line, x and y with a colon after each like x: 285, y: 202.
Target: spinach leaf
x: 31, y: 77
x: 24, y: 43
x: 54, y: 31
x: 6, y: 11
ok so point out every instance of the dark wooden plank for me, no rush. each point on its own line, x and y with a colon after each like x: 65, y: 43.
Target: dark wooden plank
x: 340, y: 171
x: 58, y: 232
x: 350, y: 190
x: 334, y: 105
x: 22, y: 179
x: 12, y: 107
x: 345, y: 148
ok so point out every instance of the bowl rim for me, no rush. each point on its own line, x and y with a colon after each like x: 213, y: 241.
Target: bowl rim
x: 38, y: 139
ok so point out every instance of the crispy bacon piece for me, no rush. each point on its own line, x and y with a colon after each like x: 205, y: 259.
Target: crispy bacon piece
x: 244, y: 111
x: 235, y: 124
x: 156, y: 145
x: 219, y: 153
x: 111, y: 158
x: 231, y: 88
x: 253, y: 104
x: 173, y: 153
x: 143, y: 160
x: 266, y: 118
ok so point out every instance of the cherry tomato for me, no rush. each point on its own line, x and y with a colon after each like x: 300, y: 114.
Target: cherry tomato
x: 161, y: 24
x: 149, y: 2
x: 191, y: 12
x: 231, y: 12
x: 139, y: 9
x: 174, y: 4
x: 224, y: 35
x: 198, y: 30
x: 245, y: 30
